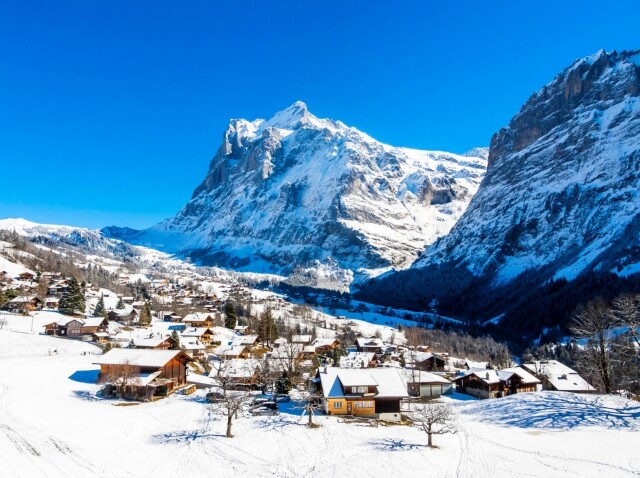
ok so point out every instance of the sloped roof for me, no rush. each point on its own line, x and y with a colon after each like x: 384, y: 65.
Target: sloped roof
x: 388, y: 381
x: 562, y: 378
x: 139, y: 357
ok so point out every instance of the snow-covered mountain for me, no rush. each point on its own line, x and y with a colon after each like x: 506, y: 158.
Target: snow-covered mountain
x: 295, y: 192
x: 562, y: 189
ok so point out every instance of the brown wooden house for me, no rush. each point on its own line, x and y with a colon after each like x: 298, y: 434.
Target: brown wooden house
x: 143, y: 374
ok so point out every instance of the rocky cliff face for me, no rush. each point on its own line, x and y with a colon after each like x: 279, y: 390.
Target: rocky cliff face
x: 562, y: 189
x: 286, y: 192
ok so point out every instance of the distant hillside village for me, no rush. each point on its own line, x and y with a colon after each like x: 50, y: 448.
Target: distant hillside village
x: 186, y: 331
x: 282, y: 346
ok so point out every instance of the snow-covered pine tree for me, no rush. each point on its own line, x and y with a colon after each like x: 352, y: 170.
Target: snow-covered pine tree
x: 100, y: 310
x: 72, y: 301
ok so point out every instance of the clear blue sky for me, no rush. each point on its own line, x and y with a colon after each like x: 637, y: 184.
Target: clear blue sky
x: 111, y: 111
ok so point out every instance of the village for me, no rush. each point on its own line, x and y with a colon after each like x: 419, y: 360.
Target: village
x: 218, y: 336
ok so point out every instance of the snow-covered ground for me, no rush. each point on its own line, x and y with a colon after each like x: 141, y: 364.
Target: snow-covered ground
x: 52, y: 425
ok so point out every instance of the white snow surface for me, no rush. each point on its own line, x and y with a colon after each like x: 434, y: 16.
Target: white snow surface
x: 53, y: 425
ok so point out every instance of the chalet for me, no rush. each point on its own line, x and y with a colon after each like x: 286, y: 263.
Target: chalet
x: 26, y: 276
x: 557, y: 376
x: 424, y: 384
x: 74, y: 328
x: 518, y: 380
x: 480, y: 383
x: 430, y: 362
x: 246, y: 340
x: 199, y: 319
x: 372, y: 393
x: 372, y: 344
x: 171, y: 317
x: 486, y: 383
x: 204, y: 334
x: 322, y: 345
x: 125, y: 317
x: 227, y: 352
x: 24, y: 304
x: 92, y: 325
x: 159, y: 343
x: 51, y: 302
x: 143, y: 374
x: 359, y: 360
x: 193, y: 346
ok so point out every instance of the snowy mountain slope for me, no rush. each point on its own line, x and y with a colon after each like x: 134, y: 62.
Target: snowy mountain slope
x: 293, y: 189
x: 562, y: 188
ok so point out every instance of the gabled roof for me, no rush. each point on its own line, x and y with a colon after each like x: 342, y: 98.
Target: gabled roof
x: 562, y: 378
x: 139, y: 357
x: 387, y: 380
x: 484, y: 374
x: 370, y: 342
x: 522, y: 373
x: 196, y: 332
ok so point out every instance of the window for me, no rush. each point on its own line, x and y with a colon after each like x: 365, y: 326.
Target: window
x: 337, y: 404
x: 367, y: 404
x: 360, y: 389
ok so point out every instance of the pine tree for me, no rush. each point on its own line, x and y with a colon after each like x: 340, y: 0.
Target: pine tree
x: 100, y: 311
x: 230, y: 315
x: 176, y: 340
x: 145, y: 315
x: 72, y: 301
x: 120, y: 304
x: 268, y: 332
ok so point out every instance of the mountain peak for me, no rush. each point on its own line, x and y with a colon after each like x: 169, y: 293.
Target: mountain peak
x: 290, y: 118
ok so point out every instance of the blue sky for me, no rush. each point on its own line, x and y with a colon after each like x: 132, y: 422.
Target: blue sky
x: 111, y: 111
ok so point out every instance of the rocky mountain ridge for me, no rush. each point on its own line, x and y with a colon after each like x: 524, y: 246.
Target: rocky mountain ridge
x: 300, y: 193
x: 562, y: 190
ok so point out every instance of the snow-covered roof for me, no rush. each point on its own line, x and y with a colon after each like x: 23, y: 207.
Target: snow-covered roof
x: 420, y: 376
x: 93, y: 321
x: 387, y: 380
x: 485, y: 374
x: 370, y: 342
x: 562, y: 378
x: 137, y: 357
x: 322, y: 342
x: 154, y: 342
x: 522, y: 373
x: 357, y: 360
x: 196, y: 332
x: 245, y: 339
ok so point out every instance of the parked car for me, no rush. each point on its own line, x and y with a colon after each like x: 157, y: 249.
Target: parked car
x: 263, y: 397
x: 262, y: 411
x: 283, y: 397
x: 214, y: 396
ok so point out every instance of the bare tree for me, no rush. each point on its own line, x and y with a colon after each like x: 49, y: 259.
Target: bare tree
x: 233, y: 402
x: 121, y: 377
x: 434, y: 418
x: 595, y: 321
x: 310, y: 403
x: 627, y: 309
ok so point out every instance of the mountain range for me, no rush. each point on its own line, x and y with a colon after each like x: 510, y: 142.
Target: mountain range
x: 512, y: 237
x: 317, y: 201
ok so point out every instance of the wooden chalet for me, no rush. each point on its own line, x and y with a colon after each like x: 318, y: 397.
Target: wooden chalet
x: 160, y: 343
x: 144, y: 374
x: 203, y: 334
x: 371, y: 344
x: 374, y: 393
x: 430, y: 362
x: 323, y: 345
x: 24, y: 304
x: 486, y: 383
x: 199, y: 320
